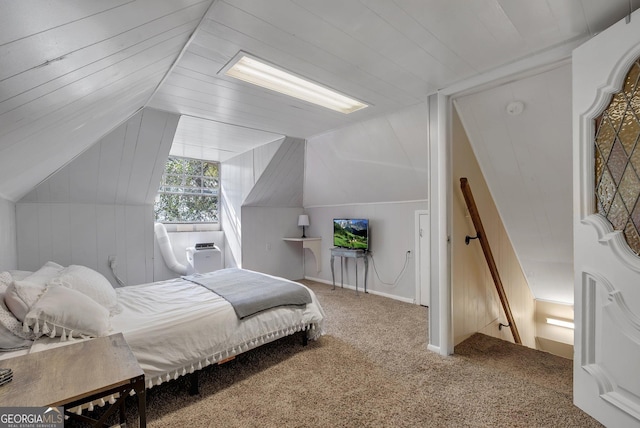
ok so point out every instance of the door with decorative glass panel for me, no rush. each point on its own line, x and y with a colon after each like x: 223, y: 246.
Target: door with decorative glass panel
x: 606, y: 153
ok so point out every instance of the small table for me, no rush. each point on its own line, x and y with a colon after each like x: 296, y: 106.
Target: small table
x: 349, y: 253
x: 76, y: 374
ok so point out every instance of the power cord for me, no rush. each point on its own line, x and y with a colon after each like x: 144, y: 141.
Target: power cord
x: 394, y: 283
x: 112, y: 266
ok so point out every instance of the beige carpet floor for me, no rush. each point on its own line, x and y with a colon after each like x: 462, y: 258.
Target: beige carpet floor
x: 372, y: 369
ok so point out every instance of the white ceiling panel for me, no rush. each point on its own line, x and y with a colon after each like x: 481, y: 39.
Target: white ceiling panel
x: 46, y: 15
x: 72, y: 72
x: 205, y: 139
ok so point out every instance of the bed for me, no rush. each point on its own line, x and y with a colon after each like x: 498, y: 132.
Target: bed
x: 173, y: 327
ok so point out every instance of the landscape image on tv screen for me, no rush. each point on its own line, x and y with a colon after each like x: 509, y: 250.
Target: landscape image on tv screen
x: 351, y: 233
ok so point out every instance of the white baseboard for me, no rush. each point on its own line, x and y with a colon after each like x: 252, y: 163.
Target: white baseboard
x: 361, y: 289
x: 324, y: 281
x: 433, y: 348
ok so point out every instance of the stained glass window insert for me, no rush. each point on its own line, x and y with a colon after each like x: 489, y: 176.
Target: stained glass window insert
x: 617, y: 160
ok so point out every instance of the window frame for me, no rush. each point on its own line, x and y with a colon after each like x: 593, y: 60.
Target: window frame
x: 185, y: 188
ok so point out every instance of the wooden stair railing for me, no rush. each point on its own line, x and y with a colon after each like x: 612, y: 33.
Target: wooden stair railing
x: 488, y: 255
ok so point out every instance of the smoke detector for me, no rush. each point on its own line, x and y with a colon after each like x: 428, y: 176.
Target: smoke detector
x: 514, y: 108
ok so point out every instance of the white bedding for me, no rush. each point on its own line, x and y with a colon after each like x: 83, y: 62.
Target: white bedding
x: 175, y: 327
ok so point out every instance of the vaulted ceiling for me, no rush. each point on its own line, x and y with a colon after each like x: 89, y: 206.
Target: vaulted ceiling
x: 72, y: 71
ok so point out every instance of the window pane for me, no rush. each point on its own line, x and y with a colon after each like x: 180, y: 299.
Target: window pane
x: 172, y: 180
x: 210, y: 169
x: 193, y: 167
x: 210, y: 183
x: 188, y: 191
x: 191, y: 181
x: 174, y: 166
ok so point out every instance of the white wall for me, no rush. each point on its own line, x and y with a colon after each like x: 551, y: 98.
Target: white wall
x: 262, y: 197
x: 375, y: 169
x: 263, y: 249
x: 238, y: 175
x: 550, y: 338
x: 8, y: 236
x: 391, y: 234
x: 101, y: 204
x: 379, y: 160
x: 87, y: 234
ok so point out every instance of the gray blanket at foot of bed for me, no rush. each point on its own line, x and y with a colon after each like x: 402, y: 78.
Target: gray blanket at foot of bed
x: 252, y: 292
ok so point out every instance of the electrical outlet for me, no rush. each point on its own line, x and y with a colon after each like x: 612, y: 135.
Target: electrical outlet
x: 113, y: 260
x: 409, y: 254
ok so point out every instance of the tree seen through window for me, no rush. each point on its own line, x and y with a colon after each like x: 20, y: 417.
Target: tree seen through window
x: 188, y: 191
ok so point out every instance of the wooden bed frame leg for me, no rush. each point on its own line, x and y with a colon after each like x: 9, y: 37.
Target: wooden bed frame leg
x: 194, y: 388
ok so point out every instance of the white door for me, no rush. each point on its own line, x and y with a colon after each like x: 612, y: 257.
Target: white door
x: 423, y: 289
x: 607, y: 272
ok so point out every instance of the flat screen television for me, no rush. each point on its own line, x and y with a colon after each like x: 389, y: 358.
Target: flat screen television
x: 351, y: 233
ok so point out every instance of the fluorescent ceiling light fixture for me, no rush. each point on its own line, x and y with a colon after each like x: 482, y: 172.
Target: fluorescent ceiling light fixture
x: 257, y: 72
x: 560, y: 323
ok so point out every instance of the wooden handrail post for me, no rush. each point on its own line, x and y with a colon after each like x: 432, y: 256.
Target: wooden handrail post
x: 488, y: 255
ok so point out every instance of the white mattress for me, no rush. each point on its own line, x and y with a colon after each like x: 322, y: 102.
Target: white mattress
x: 175, y: 327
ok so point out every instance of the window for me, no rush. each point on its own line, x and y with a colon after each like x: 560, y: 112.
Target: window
x: 617, y: 160
x: 188, y: 191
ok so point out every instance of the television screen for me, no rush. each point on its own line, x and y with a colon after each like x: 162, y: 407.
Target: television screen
x: 351, y: 233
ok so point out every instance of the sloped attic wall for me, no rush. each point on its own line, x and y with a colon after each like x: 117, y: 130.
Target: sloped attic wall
x: 101, y: 204
x: 280, y: 183
x: 259, y: 189
x: 237, y: 177
x: 271, y: 211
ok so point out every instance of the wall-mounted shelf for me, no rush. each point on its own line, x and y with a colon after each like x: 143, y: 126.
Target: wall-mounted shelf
x: 313, y: 244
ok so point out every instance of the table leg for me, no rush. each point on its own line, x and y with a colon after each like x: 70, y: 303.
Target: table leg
x: 355, y: 261
x: 366, y: 271
x: 123, y: 410
x: 341, y: 272
x: 333, y: 275
x: 141, y: 392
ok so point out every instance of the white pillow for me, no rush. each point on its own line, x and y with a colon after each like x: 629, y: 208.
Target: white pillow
x: 19, y: 305
x: 9, y: 321
x: 64, y: 312
x: 19, y: 275
x: 44, y: 274
x: 90, y: 283
x: 21, y: 295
